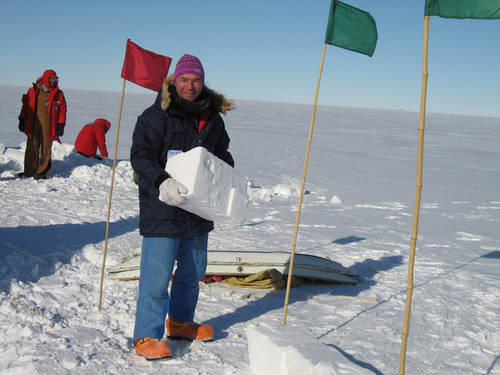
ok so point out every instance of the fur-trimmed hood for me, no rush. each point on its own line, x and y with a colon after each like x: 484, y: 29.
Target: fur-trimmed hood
x: 220, y: 103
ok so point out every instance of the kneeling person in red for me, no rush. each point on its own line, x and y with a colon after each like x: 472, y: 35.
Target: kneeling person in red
x: 91, y: 136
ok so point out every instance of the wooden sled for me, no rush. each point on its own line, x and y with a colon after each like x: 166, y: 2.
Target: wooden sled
x: 242, y: 263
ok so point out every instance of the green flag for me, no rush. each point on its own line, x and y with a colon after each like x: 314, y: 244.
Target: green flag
x: 479, y: 9
x: 351, y: 28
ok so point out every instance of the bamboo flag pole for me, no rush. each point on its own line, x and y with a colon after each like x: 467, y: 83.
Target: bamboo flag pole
x: 416, y: 211
x: 111, y: 196
x: 301, y: 194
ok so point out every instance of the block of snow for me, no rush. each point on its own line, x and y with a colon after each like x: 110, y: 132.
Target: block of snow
x: 216, y: 191
x: 14, y: 154
x: 288, y: 350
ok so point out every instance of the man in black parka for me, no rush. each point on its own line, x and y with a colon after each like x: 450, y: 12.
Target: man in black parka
x: 185, y: 115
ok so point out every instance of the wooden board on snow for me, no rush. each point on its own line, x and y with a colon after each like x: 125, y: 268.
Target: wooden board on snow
x: 242, y: 263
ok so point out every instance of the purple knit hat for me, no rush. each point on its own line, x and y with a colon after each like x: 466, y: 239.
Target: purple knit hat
x: 188, y: 64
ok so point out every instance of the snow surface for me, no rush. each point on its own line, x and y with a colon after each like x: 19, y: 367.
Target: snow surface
x: 285, y: 349
x: 357, y: 210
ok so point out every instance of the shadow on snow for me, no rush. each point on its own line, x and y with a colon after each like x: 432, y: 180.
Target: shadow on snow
x: 275, y: 299
x: 31, y: 252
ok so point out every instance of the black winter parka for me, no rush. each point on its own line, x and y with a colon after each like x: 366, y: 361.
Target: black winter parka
x: 161, y: 128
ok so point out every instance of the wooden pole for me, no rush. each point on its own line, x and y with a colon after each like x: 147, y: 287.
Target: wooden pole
x: 111, y: 196
x: 301, y: 194
x: 418, y: 193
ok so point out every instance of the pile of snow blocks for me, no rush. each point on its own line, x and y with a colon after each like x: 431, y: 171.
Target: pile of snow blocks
x: 216, y: 191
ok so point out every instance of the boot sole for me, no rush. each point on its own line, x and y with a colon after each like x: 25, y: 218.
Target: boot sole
x: 158, y: 359
x: 188, y: 338
x: 155, y: 358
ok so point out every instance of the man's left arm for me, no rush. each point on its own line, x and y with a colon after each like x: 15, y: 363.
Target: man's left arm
x: 100, y: 137
x: 222, y: 146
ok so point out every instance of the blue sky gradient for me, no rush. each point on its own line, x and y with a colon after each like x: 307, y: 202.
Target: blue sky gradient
x: 260, y: 50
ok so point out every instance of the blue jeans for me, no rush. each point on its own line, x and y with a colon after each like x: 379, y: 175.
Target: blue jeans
x: 158, y: 257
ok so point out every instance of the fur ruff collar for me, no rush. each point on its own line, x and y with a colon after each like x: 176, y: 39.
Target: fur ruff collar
x: 38, y: 83
x: 221, y: 103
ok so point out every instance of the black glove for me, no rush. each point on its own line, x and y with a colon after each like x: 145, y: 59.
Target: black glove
x: 60, y: 129
x: 98, y: 157
x: 21, y: 125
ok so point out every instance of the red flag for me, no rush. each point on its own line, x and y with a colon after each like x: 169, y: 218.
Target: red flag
x: 144, y: 68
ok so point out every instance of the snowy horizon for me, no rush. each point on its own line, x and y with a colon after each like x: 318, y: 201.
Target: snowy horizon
x: 357, y: 210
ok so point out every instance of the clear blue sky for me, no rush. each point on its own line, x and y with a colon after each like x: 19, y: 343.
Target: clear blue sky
x: 259, y: 50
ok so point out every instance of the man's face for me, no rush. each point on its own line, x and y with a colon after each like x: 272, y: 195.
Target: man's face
x: 53, y: 81
x: 188, y: 86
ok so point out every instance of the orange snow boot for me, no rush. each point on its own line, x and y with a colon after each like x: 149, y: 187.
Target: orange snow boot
x: 189, y: 330
x: 150, y: 348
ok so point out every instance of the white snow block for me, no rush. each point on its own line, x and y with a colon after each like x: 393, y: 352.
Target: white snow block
x: 216, y: 191
x: 14, y: 154
x: 287, y: 350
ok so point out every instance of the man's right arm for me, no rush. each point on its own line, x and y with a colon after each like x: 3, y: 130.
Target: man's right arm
x: 145, y: 153
x: 22, y: 114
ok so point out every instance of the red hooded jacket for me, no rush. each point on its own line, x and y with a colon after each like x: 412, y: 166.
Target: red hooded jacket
x: 57, y: 109
x: 91, y: 136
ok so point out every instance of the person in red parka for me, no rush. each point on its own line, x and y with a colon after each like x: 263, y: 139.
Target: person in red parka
x: 91, y: 136
x: 42, y: 119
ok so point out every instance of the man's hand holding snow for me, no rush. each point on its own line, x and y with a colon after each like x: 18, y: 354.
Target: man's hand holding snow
x: 172, y: 192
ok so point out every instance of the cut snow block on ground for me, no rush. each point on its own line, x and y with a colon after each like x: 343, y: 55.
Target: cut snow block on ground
x: 216, y: 191
x: 9, y: 153
x: 287, y: 350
